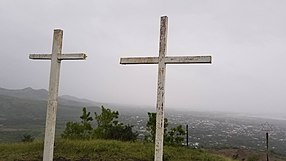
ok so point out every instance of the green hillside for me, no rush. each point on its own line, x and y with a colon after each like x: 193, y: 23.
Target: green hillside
x: 103, y: 150
x: 24, y: 112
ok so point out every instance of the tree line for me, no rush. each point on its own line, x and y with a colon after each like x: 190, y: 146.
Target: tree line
x: 108, y: 127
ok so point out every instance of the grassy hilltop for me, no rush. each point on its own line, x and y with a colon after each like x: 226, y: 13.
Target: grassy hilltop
x: 102, y: 150
x: 22, y: 113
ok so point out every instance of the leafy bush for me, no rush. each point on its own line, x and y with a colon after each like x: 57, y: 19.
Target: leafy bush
x: 175, y: 136
x: 76, y: 130
x: 108, y: 127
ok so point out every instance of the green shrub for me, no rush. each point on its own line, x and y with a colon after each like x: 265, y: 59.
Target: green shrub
x: 108, y: 127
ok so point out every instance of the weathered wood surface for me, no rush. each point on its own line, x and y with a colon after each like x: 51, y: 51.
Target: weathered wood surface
x: 159, y: 137
x: 168, y: 60
x: 52, y: 105
x: 53, y: 97
x: 71, y: 56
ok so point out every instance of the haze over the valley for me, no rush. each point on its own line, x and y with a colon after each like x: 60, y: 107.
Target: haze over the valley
x: 245, y: 38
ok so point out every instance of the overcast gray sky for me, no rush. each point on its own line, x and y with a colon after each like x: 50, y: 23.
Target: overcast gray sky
x: 245, y: 38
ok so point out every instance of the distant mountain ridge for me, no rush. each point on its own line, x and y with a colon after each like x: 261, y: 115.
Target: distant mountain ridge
x: 75, y: 99
x: 28, y: 104
x: 27, y: 93
x: 42, y: 95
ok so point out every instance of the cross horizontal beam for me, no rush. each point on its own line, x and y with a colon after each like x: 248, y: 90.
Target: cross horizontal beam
x: 168, y: 60
x: 79, y: 56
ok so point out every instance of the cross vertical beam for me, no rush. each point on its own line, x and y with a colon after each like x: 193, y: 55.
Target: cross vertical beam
x: 56, y: 57
x: 161, y: 90
x: 53, y: 96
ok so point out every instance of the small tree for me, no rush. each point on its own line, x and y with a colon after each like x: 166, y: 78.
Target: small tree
x: 108, y: 127
x: 106, y: 118
x: 105, y: 121
x: 151, y: 126
x: 76, y: 130
x: 86, y: 120
x: 175, y: 136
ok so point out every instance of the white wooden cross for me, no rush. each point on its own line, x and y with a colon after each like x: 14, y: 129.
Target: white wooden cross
x: 56, y: 57
x: 162, y: 60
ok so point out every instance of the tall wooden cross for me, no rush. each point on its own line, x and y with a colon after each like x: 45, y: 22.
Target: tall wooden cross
x: 56, y: 57
x: 162, y: 60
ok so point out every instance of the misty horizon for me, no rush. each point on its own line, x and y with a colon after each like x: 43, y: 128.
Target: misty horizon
x: 245, y: 39
x: 168, y: 109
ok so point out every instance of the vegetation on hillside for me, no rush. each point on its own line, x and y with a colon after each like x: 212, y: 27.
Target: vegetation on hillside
x: 173, y: 136
x: 20, y: 116
x: 108, y: 127
x: 82, y: 141
x: 102, y: 150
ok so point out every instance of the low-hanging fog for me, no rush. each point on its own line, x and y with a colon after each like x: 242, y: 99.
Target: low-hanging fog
x: 245, y: 38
